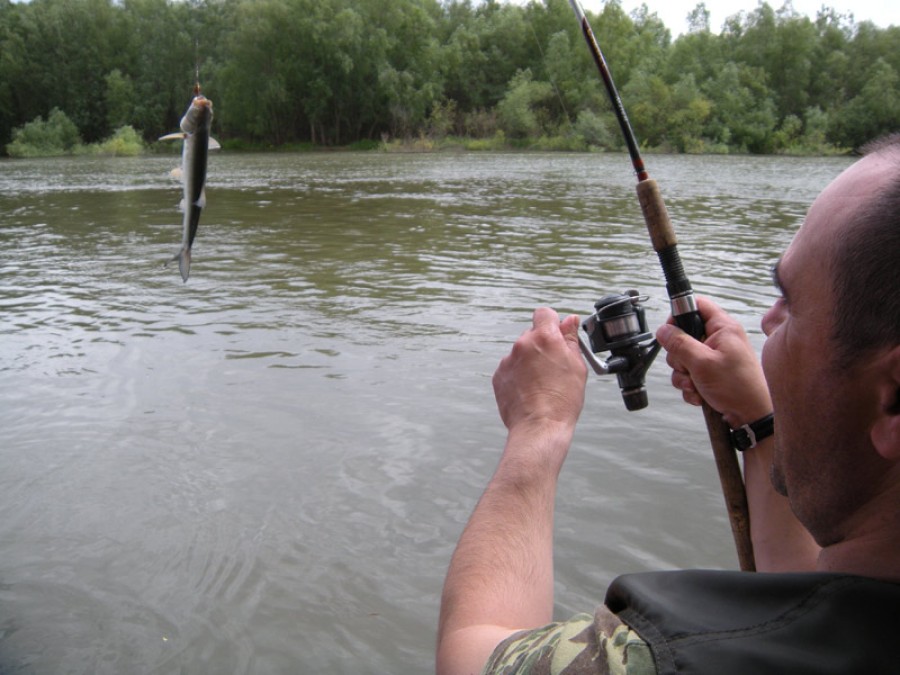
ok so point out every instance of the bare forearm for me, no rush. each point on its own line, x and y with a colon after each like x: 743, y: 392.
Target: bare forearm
x: 780, y: 542
x: 501, y: 575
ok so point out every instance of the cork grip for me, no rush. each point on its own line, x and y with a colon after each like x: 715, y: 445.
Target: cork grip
x: 662, y: 235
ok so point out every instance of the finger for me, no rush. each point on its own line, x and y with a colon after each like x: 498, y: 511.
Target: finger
x: 685, y: 384
x: 680, y: 346
x: 714, y: 317
x: 569, y: 327
x: 673, y: 362
x: 709, y: 311
x: 692, y: 398
x: 682, y: 381
x: 543, y: 316
x: 708, y: 308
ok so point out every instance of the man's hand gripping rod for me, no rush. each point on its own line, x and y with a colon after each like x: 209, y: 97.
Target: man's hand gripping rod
x: 684, y: 307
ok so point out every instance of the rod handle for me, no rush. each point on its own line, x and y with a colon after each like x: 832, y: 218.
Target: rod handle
x: 662, y: 236
x: 656, y: 215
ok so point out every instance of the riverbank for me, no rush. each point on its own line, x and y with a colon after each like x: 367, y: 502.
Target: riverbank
x: 500, y: 143
x: 126, y: 142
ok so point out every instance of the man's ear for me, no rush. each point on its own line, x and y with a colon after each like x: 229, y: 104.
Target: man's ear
x: 886, y: 430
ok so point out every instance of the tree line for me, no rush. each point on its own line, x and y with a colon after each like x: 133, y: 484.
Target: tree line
x: 341, y: 72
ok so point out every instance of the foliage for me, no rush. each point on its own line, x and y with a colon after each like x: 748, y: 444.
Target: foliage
x: 595, y: 131
x: 523, y: 110
x: 125, y: 142
x: 442, y: 119
x: 422, y: 73
x: 120, y: 97
x: 58, y: 135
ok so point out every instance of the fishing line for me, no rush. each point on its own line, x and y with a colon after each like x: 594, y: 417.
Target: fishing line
x: 549, y: 76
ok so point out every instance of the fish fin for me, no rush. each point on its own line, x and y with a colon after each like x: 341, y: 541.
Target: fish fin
x: 184, y: 262
x: 177, y: 136
x: 214, y: 144
x: 181, y: 206
x: 201, y: 202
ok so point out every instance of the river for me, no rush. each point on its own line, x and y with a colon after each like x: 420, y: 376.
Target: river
x: 265, y: 469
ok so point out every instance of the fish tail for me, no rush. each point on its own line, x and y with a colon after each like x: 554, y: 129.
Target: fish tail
x: 184, y: 262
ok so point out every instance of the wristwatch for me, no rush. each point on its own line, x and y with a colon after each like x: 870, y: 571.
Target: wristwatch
x: 748, y: 435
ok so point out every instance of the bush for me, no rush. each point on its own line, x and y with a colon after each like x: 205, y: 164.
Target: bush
x: 495, y: 143
x: 58, y: 135
x: 442, y: 119
x: 594, y: 130
x: 480, y: 124
x: 561, y: 143
x: 126, y: 142
x: 366, y: 144
x: 520, y: 112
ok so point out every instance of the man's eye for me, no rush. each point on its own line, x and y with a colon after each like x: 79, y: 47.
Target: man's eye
x: 776, y: 282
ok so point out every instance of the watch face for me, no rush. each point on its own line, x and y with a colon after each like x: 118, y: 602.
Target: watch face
x: 740, y: 439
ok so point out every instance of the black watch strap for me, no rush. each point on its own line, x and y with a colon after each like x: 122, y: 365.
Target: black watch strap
x: 747, y: 436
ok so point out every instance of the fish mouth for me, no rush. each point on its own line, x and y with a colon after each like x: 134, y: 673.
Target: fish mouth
x: 198, y: 115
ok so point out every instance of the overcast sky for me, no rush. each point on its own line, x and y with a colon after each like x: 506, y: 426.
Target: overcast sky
x: 882, y: 13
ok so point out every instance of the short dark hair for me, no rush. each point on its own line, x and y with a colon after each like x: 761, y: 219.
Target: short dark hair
x: 866, y: 264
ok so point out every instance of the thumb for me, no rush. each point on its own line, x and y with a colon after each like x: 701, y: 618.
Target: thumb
x: 569, y: 328
x: 681, y: 347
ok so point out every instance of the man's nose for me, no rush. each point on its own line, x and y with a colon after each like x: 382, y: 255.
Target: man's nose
x: 773, y: 318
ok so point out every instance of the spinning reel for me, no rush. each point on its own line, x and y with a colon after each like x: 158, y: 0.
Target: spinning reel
x: 618, y: 326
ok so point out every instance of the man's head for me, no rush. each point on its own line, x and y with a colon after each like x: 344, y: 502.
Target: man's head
x: 832, y: 358
x: 867, y: 265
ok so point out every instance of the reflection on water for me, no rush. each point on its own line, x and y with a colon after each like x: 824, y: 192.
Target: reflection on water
x: 266, y: 469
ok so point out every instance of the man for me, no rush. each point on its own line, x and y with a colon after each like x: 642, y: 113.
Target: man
x: 823, y: 492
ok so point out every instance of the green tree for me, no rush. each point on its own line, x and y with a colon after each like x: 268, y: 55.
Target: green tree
x: 596, y: 131
x: 463, y: 67
x: 827, y: 86
x: 258, y: 81
x: 160, y: 63
x: 523, y: 111
x: 782, y: 45
x: 58, y: 135
x: 667, y: 116
x: 698, y: 19
x: 566, y: 81
x: 874, y: 111
x: 71, y: 47
x: 336, y: 71
x: 119, y: 99
x: 649, y: 104
x: 689, y: 114
x: 743, y: 114
x: 407, y: 81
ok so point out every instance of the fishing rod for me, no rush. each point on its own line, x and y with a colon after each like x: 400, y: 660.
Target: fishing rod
x: 618, y: 324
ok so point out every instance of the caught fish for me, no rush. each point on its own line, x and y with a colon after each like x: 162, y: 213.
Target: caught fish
x: 197, y: 143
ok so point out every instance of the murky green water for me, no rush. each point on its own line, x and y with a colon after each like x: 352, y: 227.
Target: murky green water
x: 265, y: 470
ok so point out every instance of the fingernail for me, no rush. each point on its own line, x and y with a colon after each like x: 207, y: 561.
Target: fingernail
x: 663, y: 333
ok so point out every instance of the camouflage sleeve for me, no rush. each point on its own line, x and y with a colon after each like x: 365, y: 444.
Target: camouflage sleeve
x: 599, y: 644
